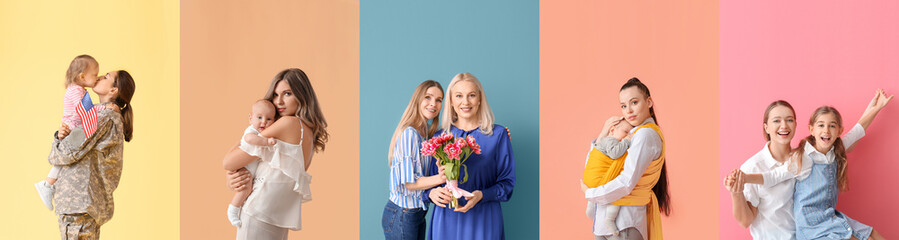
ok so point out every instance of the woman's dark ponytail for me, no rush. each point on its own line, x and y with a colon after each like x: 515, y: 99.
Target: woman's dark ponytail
x: 661, y: 187
x: 125, y: 83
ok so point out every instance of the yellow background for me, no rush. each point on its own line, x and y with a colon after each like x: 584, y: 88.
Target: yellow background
x: 39, y: 39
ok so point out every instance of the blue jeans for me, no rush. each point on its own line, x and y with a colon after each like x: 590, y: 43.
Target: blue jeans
x: 403, y: 223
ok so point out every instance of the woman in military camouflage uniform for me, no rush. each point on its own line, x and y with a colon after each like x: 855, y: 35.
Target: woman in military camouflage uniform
x: 91, y: 168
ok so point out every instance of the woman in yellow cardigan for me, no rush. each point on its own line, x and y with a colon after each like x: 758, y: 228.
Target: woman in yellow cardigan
x: 641, y: 189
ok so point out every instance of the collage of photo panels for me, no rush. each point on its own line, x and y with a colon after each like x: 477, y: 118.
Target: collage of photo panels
x: 458, y: 120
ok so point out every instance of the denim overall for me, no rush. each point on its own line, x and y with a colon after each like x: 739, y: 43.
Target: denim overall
x: 814, y: 207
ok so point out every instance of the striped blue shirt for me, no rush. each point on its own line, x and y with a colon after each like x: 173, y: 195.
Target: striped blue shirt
x: 407, y: 166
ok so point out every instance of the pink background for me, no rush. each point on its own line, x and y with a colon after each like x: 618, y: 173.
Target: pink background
x: 812, y: 54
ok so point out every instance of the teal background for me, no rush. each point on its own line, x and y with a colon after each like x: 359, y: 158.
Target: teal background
x: 403, y: 43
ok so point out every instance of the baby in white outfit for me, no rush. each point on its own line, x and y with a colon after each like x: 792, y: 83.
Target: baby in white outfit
x: 262, y: 116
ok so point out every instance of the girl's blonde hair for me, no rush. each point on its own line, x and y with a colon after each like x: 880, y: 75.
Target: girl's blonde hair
x: 839, y: 149
x: 79, y: 65
x: 308, y: 110
x: 485, y: 115
x: 412, y: 117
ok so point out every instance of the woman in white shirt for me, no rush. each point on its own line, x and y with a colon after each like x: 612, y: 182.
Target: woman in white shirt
x: 643, y: 182
x: 767, y: 209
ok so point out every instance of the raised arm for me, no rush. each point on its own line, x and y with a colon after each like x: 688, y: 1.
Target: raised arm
x: 879, y: 101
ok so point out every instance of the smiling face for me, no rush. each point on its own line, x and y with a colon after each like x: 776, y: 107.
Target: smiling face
x: 780, y: 125
x: 634, y: 105
x: 284, y: 99
x: 826, y: 129
x: 263, y: 115
x: 466, y: 99
x: 429, y: 107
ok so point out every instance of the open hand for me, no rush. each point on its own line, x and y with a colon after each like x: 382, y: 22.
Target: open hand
x: 880, y: 100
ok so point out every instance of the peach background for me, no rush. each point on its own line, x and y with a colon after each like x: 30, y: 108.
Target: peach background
x: 812, y: 54
x: 231, y: 50
x: 588, y: 50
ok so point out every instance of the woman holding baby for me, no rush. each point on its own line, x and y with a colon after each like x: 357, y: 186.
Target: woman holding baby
x: 280, y: 183
x: 634, y: 185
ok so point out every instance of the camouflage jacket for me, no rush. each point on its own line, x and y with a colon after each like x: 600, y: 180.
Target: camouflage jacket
x: 91, y: 168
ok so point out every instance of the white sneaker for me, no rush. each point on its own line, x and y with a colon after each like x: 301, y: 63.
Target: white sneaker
x: 45, y: 190
x: 234, y: 215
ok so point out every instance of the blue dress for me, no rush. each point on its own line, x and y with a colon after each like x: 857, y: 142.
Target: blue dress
x: 492, y: 172
x: 814, y: 208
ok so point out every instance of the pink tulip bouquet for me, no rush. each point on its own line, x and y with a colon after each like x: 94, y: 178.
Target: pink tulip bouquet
x: 452, y: 153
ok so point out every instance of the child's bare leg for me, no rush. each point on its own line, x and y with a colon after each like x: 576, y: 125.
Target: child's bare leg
x: 241, y: 197
x: 53, y: 175
x: 611, y: 215
x: 236, y: 204
x: 875, y: 235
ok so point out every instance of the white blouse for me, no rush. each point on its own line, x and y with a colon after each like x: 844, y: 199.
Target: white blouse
x: 280, y: 186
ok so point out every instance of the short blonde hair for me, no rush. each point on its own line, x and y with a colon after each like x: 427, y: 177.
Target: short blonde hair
x: 485, y: 114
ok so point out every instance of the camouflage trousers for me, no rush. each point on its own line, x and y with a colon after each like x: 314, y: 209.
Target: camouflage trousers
x: 79, y: 226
